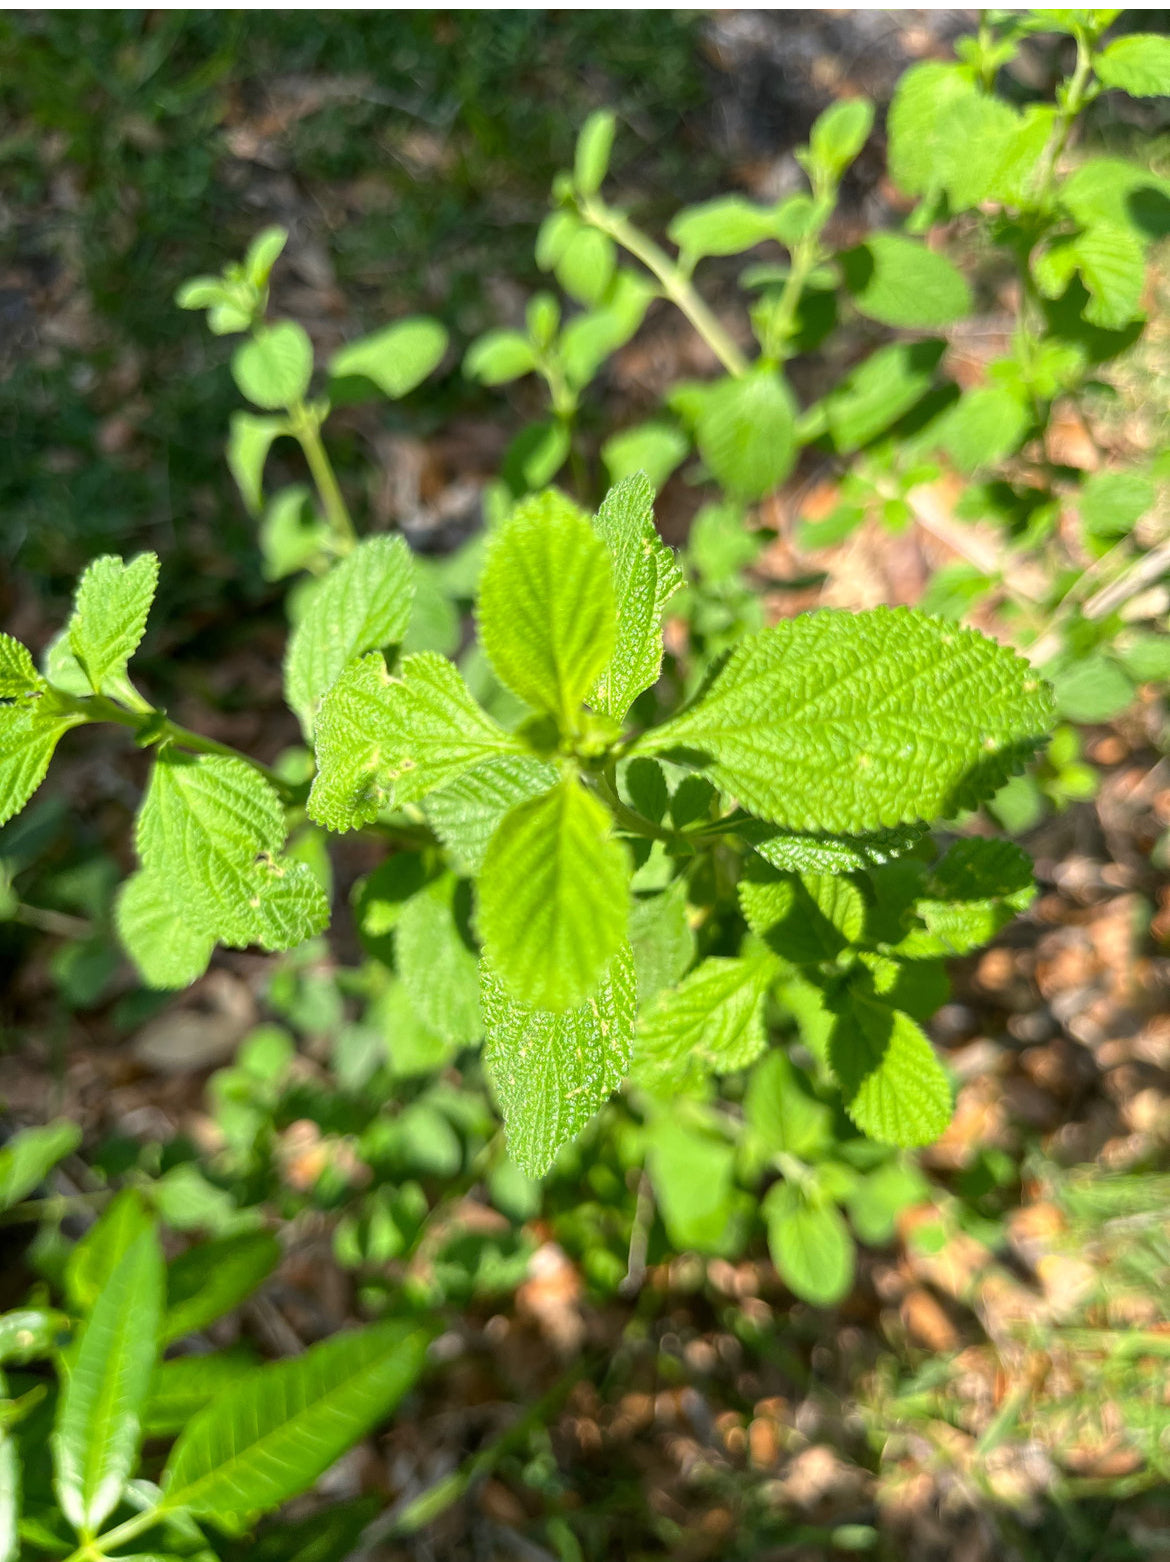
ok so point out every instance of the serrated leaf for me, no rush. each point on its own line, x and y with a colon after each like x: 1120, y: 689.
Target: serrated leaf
x: 99, y: 1417
x: 184, y: 1385
x: 27, y: 741
x: 109, y: 617
x: 270, y: 1437
x: 395, y: 359
x: 362, y: 604
x: 273, y: 368
x: 464, y: 813
x: 30, y: 1155
x: 1138, y: 64
x: 18, y: 674
x: 746, y: 433
x: 213, y: 1278
x: 661, y: 939
x: 552, y: 1071
x: 810, y: 1245
x: 880, y: 391
x: 898, y: 281
x: 250, y: 439
x: 803, y: 918
x: 800, y: 852
x: 645, y: 577
x: 893, y: 1086
x: 499, y: 356
x: 712, y: 1022
x: 547, y: 615
x: 977, y: 889
x: 554, y: 898
x: 853, y: 722
x: 383, y: 740
x: 436, y: 962
x: 156, y: 933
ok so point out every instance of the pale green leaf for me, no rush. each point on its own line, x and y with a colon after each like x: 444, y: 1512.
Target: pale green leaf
x: 437, y: 962
x: 395, y: 359
x: 780, y: 1109
x: 263, y: 253
x: 712, y: 1022
x: 661, y: 939
x: 1120, y: 194
x: 27, y: 741
x: 292, y: 534
x: 213, y: 1278
x: 645, y: 577
x: 878, y: 1200
x: 585, y: 267
x: 109, y: 617
x: 536, y: 455
x: 499, y: 356
x: 893, y: 1086
x: 552, y: 1071
x: 1138, y: 64
x: 589, y: 338
x: 1112, y: 502
x: 899, y: 281
x: 839, y: 134
x: 920, y: 148
x: 18, y: 674
x: 856, y: 722
x: 984, y: 426
x: 692, y: 1177
x: 547, y: 616
x: 280, y: 1428
x: 250, y: 439
x: 30, y: 1155
x: 879, y: 391
x: 185, y: 1384
x: 653, y: 448
x: 383, y: 740
x: 1094, y: 688
x: 594, y: 145
x: 554, y: 898
x: 464, y: 813
x: 810, y: 1245
x: 746, y: 433
x: 725, y: 226
x: 273, y: 368
x: 362, y: 604
x: 157, y: 934
x: 103, y: 1247
x: 99, y: 1416
x: 1111, y: 262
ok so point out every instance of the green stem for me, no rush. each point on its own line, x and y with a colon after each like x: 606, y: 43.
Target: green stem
x: 55, y: 922
x: 97, y: 1548
x: 626, y: 818
x: 674, y: 283
x: 306, y: 427
x: 1077, y: 96
x: 55, y: 1207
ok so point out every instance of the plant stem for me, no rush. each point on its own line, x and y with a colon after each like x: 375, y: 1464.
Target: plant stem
x: 55, y: 1207
x: 1075, y: 99
x: 56, y: 922
x: 306, y: 427
x: 627, y: 819
x: 97, y: 1548
x: 674, y: 284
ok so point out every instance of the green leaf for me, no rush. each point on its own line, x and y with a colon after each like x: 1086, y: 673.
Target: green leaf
x: 249, y: 440
x: 27, y: 740
x: 109, y: 617
x: 655, y: 449
x: 725, y: 226
x: 878, y: 1200
x: 900, y: 282
x: 263, y: 253
x: 292, y: 535
x: 212, y: 828
x: 594, y: 145
x: 947, y: 136
x: 278, y: 1430
x: 153, y: 926
x: 29, y: 1156
x: 9, y: 1495
x: 464, y: 813
x: 839, y: 134
x: 586, y: 265
x: 661, y: 939
x: 184, y: 1385
x: 499, y: 356
x: 746, y: 433
x: 810, y: 1245
x: 880, y: 391
x: 395, y: 359
x: 691, y: 1174
x: 1092, y: 689
x: 645, y: 577
x: 30, y: 1333
x: 893, y: 1086
x: 1138, y: 64
x: 547, y: 616
x: 536, y: 455
x: 780, y: 1108
x: 984, y: 426
x: 99, y: 1416
x: 554, y: 898
x: 1144, y: 655
x: 437, y: 962
x: 103, y: 1247
x: 1111, y: 262
x: 1120, y: 194
x: 805, y: 919
x: 977, y: 889
x: 860, y: 721
x: 213, y: 1278
x: 712, y: 1022
x: 1111, y: 503
x: 383, y: 740
x: 798, y: 852
x: 921, y: 147
x: 18, y: 675
x: 552, y: 1071
x: 273, y: 368
x: 362, y: 604
x: 589, y: 339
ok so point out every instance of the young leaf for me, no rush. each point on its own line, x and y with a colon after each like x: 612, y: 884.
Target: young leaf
x: 18, y: 675
x: 900, y: 282
x: 276, y: 1431
x: 263, y: 253
x: 727, y: 225
x: 893, y: 1086
x: 746, y: 433
x: 712, y: 1022
x: 213, y: 1278
x: 109, y: 617
x: 395, y: 359
x: 249, y: 441
x: 552, y: 1071
x: 167, y: 949
x: 554, y: 898
x: 594, y: 145
x: 27, y: 740
x: 547, y: 616
x: 781, y: 1110
x: 274, y: 367
x: 645, y: 578
x: 585, y: 267
x: 464, y: 813
x: 855, y: 722
x: 99, y: 1416
x: 1138, y: 64
x: 28, y: 1157
x: 383, y: 739
x: 499, y: 356
x: 362, y: 604
x: 810, y: 1245
x: 436, y: 963
x: 839, y: 134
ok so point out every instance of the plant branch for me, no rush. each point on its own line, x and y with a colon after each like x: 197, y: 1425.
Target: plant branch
x: 306, y: 428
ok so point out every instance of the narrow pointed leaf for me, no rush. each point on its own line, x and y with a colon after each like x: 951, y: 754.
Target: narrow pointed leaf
x: 27, y: 1159
x: 185, y: 1384
x: 103, y: 1247
x: 213, y: 1278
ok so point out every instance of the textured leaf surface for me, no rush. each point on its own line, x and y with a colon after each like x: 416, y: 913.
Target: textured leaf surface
x: 809, y: 852
x: 99, y: 1417
x: 863, y: 721
x: 27, y: 741
x: 30, y: 1155
x: 804, y: 918
x: 712, y: 1022
x: 662, y: 940
x: 436, y: 961
x: 547, y: 616
x: 397, y: 358
x: 464, y: 813
x: 645, y: 577
x: 158, y: 935
x: 109, y: 616
x: 893, y: 1086
x: 552, y: 1071
x: 284, y: 1425
x: 213, y: 1278
x: 18, y: 674
x: 746, y: 433
x: 185, y: 1384
x: 554, y: 898
x: 978, y: 888
x: 362, y: 604
x: 1139, y: 64
x: 810, y: 1245
x: 383, y: 740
